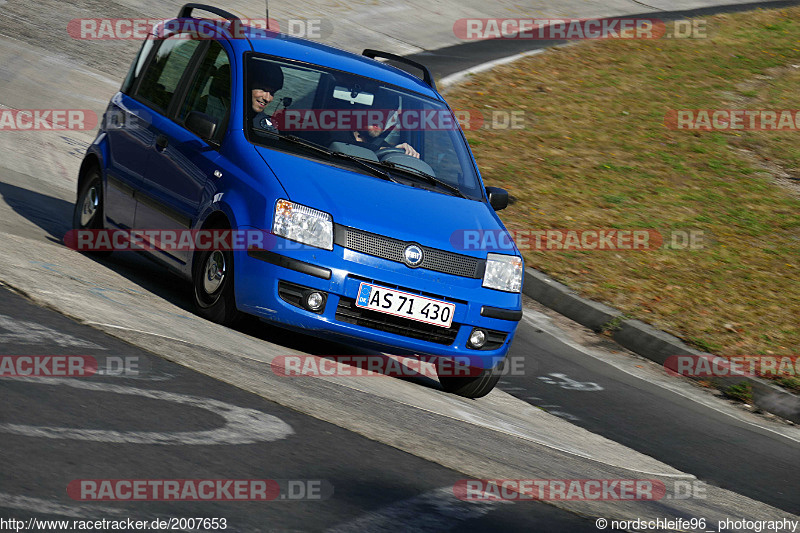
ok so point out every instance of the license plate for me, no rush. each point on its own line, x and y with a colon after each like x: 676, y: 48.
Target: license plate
x: 406, y: 305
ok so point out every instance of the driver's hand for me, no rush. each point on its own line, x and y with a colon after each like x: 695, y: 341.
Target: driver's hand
x: 409, y: 150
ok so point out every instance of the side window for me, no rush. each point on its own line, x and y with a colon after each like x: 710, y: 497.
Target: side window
x: 210, y: 91
x: 162, y: 76
x: 136, y: 67
x: 301, y: 86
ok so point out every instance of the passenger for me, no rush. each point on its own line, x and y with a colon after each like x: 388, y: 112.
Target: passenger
x: 263, y: 85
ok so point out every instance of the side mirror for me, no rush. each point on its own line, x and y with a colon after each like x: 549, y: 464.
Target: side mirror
x: 201, y: 125
x: 498, y: 198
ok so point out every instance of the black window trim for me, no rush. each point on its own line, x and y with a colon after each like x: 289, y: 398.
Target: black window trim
x: 131, y: 79
x: 137, y: 85
x: 184, y: 84
x: 134, y: 88
x: 182, y: 90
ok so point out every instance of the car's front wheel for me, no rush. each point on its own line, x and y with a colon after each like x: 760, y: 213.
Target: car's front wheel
x: 474, y: 386
x: 212, y: 279
x: 89, y: 207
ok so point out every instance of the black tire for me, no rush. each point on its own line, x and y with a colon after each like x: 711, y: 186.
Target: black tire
x: 213, y: 287
x: 474, y: 386
x: 89, y: 211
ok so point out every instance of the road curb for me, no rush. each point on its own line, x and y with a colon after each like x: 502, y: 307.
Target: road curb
x: 647, y: 341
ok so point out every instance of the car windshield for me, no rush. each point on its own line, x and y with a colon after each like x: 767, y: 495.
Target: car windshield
x: 413, y: 138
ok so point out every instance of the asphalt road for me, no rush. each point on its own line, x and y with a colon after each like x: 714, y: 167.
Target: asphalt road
x: 677, y: 430
x: 375, y: 485
x: 154, y: 409
x: 459, y: 57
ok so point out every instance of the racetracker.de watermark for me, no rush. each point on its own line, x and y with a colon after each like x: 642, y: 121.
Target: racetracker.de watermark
x: 705, y: 366
x: 403, y: 120
x: 243, y: 490
x: 47, y: 119
x: 577, y: 29
x: 598, y: 239
x: 383, y: 365
x: 577, y: 489
x: 733, y: 119
x: 107, y: 240
x: 70, y: 366
x: 93, y: 29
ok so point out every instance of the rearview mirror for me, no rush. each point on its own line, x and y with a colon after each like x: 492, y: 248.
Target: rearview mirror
x: 201, y: 125
x: 498, y: 198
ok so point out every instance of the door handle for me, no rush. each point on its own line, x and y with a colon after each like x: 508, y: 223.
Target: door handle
x: 162, y: 141
x: 118, y: 118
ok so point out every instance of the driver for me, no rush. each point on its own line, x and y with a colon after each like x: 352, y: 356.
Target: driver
x: 366, y: 137
x: 264, y: 83
x: 374, y: 135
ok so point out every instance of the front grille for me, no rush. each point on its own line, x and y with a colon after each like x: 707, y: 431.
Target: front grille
x: 372, y: 244
x: 392, y: 250
x: 291, y: 293
x: 348, y: 312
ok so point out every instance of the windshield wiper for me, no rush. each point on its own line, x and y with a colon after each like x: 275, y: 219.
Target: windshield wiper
x: 364, y: 163
x: 296, y: 140
x: 322, y: 150
x: 424, y: 175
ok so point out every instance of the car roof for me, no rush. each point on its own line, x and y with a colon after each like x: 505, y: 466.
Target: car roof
x: 297, y: 49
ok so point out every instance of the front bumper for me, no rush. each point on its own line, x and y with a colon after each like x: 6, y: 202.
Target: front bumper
x: 262, y: 278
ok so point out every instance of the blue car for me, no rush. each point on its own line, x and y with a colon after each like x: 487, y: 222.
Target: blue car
x: 326, y: 192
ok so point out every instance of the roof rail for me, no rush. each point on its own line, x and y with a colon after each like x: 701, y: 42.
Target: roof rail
x: 427, y: 77
x: 186, y: 12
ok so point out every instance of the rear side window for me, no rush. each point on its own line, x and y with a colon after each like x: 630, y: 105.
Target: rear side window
x: 136, y: 68
x: 210, y: 91
x: 162, y: 76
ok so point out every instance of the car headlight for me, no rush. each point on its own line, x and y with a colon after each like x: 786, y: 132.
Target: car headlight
x: 503, y: 272
x: 303, y: 224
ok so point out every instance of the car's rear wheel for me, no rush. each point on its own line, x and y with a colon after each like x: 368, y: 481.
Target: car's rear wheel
x: 89, y: 207
x: 212, y: 279
x: 474, y: 386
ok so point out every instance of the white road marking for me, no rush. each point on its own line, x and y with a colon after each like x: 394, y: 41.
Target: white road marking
x: 242, y: 426
x: 435, y: 510
x: 554, y: 410
x: 142, y: 376
x: 459, y: 414
x: 457, y: 77
x: 24, y: 332
x: 79, y: 512
x: 37, y: 505
x: 143, y: 332
x: 570, y: 384
x: 564, y: 415
x: 543, y: 323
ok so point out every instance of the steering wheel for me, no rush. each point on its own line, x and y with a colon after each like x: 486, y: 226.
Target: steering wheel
x: 389, y: 151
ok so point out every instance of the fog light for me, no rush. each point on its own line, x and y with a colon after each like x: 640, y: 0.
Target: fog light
x: 314, y: 301
x: 477, y: 338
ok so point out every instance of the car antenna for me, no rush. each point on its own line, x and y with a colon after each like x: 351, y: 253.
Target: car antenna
x: 267, y: 4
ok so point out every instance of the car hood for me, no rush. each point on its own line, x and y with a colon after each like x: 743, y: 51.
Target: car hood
x: 372, y: 204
